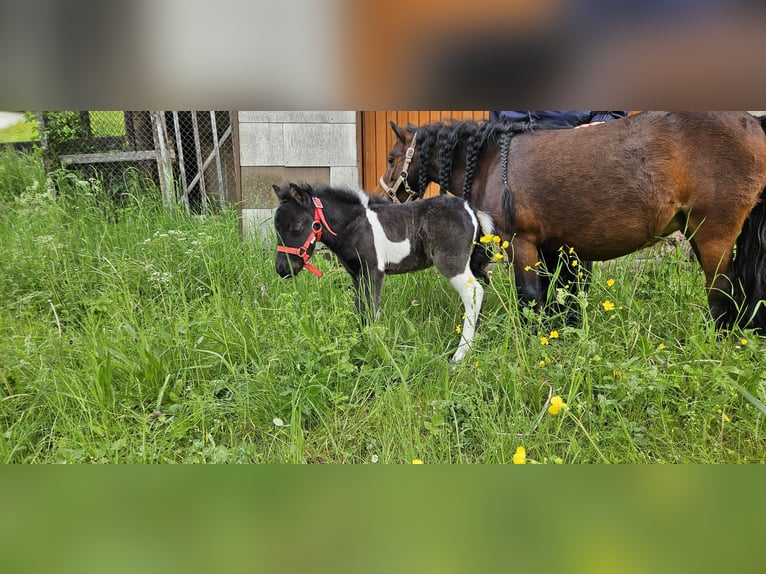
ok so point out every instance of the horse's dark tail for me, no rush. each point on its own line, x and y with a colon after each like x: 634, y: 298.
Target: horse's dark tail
x: 747, y: 271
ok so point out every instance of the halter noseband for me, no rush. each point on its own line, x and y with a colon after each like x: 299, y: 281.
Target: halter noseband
x: 403, y: 175
x: 316, y: 235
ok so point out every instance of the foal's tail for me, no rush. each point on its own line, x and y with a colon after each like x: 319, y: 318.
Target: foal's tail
x: 479, y: 255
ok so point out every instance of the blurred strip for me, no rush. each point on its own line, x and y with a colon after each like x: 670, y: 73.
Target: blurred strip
x: 345, y: 54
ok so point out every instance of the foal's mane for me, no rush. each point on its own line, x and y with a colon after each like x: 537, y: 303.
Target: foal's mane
x: 346, y: 195
x: 453, y: 136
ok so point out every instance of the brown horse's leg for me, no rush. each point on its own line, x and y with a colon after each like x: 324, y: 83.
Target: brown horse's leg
x: 714, y: 255
x: 570, y: 277
x: 525, y: 258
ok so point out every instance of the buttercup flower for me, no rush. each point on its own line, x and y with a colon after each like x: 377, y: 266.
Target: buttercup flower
x: 520, y: 456
x: 417, y: 461
x: 554, y: 335
x: 743, y: 341
x: 609, y: 282
x: 543, y: 340
x: 457, y: 329
x: 608, y: 305
x: 485, y: 238
x: 557, y: 405
x: 661, y: 346
x: 505, y: 245
x: 497, y: 256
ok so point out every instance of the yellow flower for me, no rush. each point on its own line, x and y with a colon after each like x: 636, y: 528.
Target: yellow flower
x: 609, y: 282
x: 725, y: 418
x: 457, y: 329
x: 571, y: 250
x: 497, y: 256
x: 496, y: 239
x: 743, y: 341
x: 417, y: 461
x: 554, y: 334
x: 557, y: 405
x: 527, y: 268
x: 543, y: 340
x: 661, y: 346
x: 538, y: 263
x: 608, y: 305
x: 542, y: 363
x: 486, y: 238
x: 476, y: 364
x: 574, y: 263
x: 520, y: 456
x: 505, y: 245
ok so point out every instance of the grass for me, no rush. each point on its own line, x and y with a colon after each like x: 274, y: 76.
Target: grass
x: 23, y: 131
x: 128, y: 334
x: 103, y: 124
x: 107, y: 123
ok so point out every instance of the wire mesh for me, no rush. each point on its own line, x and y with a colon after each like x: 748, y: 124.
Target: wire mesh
x: 120, y: 147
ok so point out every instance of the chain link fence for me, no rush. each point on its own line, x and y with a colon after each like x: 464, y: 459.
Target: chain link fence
x: 188, y: 155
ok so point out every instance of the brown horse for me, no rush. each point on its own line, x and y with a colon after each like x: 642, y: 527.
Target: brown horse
x: 609, y: 190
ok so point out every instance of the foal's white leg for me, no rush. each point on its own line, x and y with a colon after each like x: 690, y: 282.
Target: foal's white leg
x: 471, y: 293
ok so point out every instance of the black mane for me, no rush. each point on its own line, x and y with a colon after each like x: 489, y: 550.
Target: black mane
x: 344, y: 194
x: 452, y: 137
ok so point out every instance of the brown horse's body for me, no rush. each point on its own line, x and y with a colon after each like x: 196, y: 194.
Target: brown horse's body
x: 611, y: 189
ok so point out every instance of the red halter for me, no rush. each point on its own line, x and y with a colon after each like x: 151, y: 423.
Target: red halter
x: 316, y: 235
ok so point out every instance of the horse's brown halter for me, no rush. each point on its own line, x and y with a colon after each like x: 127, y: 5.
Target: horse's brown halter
x: 403, y: 175
x: 316, y: 235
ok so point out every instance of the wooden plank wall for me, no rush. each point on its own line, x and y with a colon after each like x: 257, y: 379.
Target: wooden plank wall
x: 376, y: 136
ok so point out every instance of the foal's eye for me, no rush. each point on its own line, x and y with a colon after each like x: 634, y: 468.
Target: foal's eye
x: 390, y: 160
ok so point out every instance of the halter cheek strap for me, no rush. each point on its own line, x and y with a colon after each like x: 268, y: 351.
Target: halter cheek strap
x: 403, y: 175
x: 317, y: 226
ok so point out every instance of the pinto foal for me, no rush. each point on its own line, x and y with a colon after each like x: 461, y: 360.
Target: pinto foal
x: 373, y: 238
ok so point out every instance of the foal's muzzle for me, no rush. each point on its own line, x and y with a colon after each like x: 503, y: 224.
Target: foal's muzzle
x: 288, y: 266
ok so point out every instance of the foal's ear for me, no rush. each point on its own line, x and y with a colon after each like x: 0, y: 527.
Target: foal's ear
x: 283, y: 193
x: 401, y: 133
x: 300, y: 193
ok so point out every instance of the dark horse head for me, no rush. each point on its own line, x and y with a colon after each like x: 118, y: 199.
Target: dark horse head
x: 296, y: 227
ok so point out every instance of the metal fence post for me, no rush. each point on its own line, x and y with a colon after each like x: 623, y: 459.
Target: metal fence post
x: 164, y: 164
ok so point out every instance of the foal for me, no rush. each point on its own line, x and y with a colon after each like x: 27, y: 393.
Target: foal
x: 373, y: 238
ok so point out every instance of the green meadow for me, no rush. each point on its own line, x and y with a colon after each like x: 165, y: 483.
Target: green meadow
x: 132, y: 335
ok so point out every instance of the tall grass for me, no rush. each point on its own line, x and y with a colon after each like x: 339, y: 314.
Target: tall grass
x: 130, y: 334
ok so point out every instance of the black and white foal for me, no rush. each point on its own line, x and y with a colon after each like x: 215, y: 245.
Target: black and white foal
x: 373, y: 237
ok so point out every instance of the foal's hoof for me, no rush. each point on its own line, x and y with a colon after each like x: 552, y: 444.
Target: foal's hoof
x: 457, y: 357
